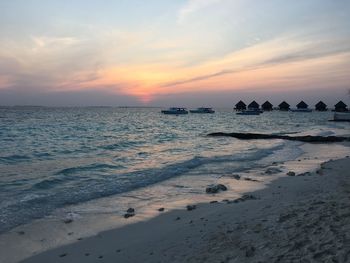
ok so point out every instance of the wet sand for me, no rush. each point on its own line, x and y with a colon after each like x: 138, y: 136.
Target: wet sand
x: 302, y: 218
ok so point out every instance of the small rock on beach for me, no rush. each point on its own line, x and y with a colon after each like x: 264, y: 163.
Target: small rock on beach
x: 290, y: 173
x: 212, y: 189
x: 191, y: 207
x: 129, y: 213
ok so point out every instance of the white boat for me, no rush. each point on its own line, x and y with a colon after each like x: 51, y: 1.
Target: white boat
x: 341, y: 116
x: 249, y: 112
x: 301, y: 110
x: 203, y: 110
x: 175, y: 111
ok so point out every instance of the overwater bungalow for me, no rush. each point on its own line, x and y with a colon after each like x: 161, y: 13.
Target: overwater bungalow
x: 267, y: 106
x: 302, y: 105
x: 240, y: 106
x: 321, y: 106
x: 340, y: 107
x: 284, y: 106
x: 253, y: 106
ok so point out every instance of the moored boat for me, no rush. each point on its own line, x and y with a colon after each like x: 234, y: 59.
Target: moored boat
x: 301, y: 110
x: 203, y: 110
x: 249, y: 112
x: 341, y: 116
x: 175, y: 111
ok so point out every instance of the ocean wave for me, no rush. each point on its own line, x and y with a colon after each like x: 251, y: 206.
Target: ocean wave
x: 13, y: 159
x: 92, y: 167
x: 71, y: 187
x: 121, y: 145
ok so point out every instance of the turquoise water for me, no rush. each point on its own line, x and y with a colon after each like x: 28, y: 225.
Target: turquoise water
x: 54, y: 157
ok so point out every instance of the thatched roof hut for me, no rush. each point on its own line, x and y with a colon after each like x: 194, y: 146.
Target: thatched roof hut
x: 321, y: 106
x: 284, y: 106
x: 240, y: 106
x: 253, y: 105
x: 302, y: 105
x: 267, y: 106
x: 341, y: 106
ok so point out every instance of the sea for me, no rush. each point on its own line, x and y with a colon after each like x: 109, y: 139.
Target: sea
x: 52, y: 159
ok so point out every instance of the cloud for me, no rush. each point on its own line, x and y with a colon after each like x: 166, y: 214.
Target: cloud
x: 193, y: 6
x: 264, y: 55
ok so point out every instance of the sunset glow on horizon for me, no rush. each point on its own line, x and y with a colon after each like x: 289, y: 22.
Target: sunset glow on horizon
x: 142, y: 52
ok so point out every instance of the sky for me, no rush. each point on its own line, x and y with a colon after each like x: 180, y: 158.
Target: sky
x: 173, y: 52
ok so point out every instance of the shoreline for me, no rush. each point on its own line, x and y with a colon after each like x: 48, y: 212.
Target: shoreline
x: 277, y: 223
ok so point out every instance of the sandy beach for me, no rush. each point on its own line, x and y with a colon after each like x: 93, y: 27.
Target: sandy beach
x: 302, y: 218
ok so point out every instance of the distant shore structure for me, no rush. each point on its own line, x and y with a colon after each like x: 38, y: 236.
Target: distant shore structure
x: 302, y: 105
x: 267, y: 106
x: 340, y: 107
x: 240, y: 106
x: 284, y: 106
x: 321, y: 106
x: 253, y: 105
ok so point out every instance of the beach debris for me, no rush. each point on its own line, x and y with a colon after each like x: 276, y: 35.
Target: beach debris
x: 161, y: 209
x: 290, y: 173
x: 273, y: 170
x: 245, y: 197
x: 251, y: 179
x: 191, y: 207
x: 212, y: 189
x: 129, y: 213
x: 236, y: 176
x: 260, y: 136
x: 305, y: 174
x: 213, y: 202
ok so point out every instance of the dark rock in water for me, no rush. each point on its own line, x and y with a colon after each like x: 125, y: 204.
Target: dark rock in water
x: 63, y: 255
x: 68, y: 221
x: 243, y: 198
x: 191, y: 207
x: 291, y: 173
x: 130, y: 210
x: 259, y: 136
x: 249, y: 197
x: 272, y: 170
x: 129, y: 213
x: 161, y: 209
x: 178, y: 218
x: 213, y: 202
x: 212, y: 189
